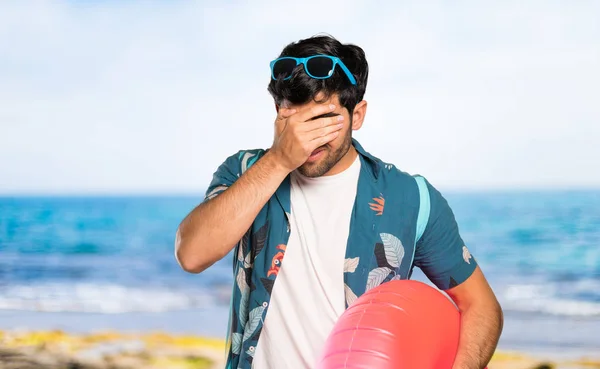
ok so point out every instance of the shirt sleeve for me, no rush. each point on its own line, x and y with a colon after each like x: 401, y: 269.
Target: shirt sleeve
x: 227, y: 173
x: 441, y: 253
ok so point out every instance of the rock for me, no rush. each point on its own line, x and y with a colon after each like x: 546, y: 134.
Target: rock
x: 544, y: 366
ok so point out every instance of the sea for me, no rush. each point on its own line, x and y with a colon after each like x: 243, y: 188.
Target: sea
x: 85, y: 264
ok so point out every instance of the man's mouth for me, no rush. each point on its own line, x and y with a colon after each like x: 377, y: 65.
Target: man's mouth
x: 318, y: 150
x: 317, y: 153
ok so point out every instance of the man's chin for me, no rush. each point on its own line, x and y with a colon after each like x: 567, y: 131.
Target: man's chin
x: 310, y: 169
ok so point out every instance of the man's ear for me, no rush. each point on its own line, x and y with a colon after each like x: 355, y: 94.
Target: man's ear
x: 358, y: 115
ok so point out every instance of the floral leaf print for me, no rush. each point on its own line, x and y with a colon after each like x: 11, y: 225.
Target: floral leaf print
x: 258, y: 240
x: 380, y: 256
x: 212, y: 194
x: 394, y: 251
x: 245, y: 166
x: 245, y: 294
x: 378, y: 205
x: 267, y: 284
x: 236, y: 343
x: 234, y: 321
x: 253, y: 321
x: 240, y: 278
x: 350, y: 295
x: 256, y: 334
x: 466, y: 255
x: 244, y: 310
x: 240, y: 254
x: 243, y: 247
x: 350, y: 264
x: 376, y: 276
x: 250, y: 280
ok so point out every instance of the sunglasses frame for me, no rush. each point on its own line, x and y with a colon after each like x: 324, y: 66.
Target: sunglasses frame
x: 304, y: 61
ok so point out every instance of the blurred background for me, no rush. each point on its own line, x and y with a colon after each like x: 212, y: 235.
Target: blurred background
x: 114, y: 116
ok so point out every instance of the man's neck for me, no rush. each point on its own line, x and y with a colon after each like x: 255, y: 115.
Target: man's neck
x: 344, y: 163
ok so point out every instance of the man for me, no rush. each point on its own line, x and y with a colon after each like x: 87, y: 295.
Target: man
x: 315, y: 221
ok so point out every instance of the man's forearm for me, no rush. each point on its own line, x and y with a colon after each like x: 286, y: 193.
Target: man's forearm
x: 480, y: 328
x: 213, y: 228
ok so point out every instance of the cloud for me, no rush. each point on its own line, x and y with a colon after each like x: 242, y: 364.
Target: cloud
x: 140, y: 96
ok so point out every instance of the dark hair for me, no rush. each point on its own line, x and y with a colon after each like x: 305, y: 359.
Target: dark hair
x: 301, y: 88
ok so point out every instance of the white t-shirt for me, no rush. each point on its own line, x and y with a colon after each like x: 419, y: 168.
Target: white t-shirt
x: 308, y: 295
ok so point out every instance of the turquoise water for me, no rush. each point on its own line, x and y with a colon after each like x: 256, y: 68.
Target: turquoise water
x: 110, y: 260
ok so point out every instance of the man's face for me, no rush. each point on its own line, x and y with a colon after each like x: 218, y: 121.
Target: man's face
x: 325, y: 157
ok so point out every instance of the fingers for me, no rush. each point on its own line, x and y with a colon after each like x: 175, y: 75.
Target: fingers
x: 322, y: 140
x: 305, y: 115
x: 322, y: 123
x: 282, y: 115
x: 316, y: 131
x: 316, y: 134
x: 314, y: 111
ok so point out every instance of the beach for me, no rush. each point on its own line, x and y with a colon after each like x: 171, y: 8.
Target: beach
x: 195, y: 339
x: 114, y: 350
x: 109, y: 349
x: 92, y: 282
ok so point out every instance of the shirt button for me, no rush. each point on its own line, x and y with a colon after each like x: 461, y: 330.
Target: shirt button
x: 251, y: 348
x: 265, y: 304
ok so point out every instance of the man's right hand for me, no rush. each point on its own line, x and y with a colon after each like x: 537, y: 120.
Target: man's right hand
x: 213, y: 228
x: 297, y: 136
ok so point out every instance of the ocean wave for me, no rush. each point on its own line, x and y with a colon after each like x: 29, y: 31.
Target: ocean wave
x: 574, y: 299
x: 581, y: 298
x: 102, y: 298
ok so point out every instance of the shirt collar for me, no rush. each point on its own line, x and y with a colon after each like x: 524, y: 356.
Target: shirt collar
x: 374, y: 164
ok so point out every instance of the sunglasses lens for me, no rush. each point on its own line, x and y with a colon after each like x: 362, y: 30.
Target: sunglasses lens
x: 320, y: 66
x: 283, y: 68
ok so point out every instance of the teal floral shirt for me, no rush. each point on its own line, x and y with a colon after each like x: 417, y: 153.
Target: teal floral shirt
x: 382, y: 244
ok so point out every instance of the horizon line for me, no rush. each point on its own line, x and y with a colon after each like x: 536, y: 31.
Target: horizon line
x: 201, y: 193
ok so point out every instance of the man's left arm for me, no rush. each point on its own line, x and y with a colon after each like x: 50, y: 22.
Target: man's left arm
x: 481, y: 321
x: 442, y: 255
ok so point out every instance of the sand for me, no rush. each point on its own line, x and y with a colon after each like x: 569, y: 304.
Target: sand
x: 114, y: 350
x: 57, y: 349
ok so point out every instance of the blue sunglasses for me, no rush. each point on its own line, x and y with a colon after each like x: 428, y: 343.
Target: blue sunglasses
x: 316, y: 66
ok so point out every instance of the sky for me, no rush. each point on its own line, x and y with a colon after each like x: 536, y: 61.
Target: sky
x: 150, y: 97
